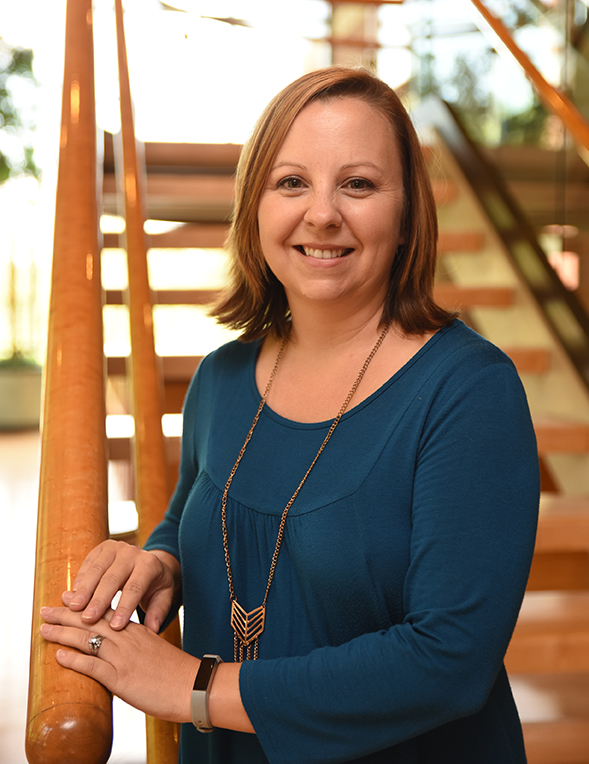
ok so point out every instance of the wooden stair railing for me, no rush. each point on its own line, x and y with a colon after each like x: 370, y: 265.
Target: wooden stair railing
x: 554, y: 100
x: 151, y: 471
x: 70, y: 715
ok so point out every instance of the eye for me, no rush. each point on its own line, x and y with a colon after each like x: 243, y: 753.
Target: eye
x: 291, y: 183
x: 359, y: 184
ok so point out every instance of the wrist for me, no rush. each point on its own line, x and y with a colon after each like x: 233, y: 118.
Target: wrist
x: 199, y: 699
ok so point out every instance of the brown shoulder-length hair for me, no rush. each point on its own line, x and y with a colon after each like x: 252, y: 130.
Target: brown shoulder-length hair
x: 255, y: 301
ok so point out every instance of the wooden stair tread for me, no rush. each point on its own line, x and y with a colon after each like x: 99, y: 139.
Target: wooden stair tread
x: 445, y: 191
x: 556, y: 610
x: 460, y: 241
x: 168, y: 296
x: 464, y: 298
x: 563, y: 524
x: 183, y: 197
x: 551, y: 697
x: 552, y: 633
x: 189, y: 235
x: 176, y: 368
x: 530, y: 360
x: 561, y: 436
x: 563, y: 742
x: 554, y: 709
x: 180, y: 155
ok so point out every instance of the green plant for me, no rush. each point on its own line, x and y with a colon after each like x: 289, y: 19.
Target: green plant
x: 16, y: 161
x: 16, y: 151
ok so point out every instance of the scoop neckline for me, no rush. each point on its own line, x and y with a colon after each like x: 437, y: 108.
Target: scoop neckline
x: 269, y: 412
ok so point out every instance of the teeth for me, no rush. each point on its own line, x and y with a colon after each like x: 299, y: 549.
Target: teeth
x: 323, y: 254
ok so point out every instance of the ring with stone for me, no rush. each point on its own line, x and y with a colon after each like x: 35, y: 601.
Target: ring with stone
x: 94, y: 643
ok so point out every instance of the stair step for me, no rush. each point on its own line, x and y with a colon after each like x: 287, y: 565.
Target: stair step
x: 455, y: 297
x: 561, y: 436
x: 565, y: 742
x: 530, y: 360
x: 177, y: 371
x: 460, y: 241
x: 552, y: 634
x: 445, y: 191
x: 185, y: 197
x: 192, y: 235
x: 561, y: 559
x: 168, y: 296
x: 554, y: 709
x: 174, y: 368
x: 563, y: 524
x: 196, y: 156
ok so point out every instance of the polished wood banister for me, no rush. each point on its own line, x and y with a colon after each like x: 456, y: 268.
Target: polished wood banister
x: 70, y: 715
x: 151, y: 472
x: 554, y: 99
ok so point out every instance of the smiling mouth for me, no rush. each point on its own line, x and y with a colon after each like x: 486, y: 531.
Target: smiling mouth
x: 323, y: 254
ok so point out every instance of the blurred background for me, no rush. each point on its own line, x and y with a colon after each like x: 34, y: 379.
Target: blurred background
x: 201, y: 71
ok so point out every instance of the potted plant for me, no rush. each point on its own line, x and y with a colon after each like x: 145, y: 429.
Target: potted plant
x: 20, y: 374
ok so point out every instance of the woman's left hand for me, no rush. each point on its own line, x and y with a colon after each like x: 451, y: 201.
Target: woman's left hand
x: 135, y: 664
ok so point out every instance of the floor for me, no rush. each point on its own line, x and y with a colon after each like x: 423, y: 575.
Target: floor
x: 19, y: 477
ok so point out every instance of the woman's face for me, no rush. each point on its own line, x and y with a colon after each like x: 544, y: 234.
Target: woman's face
x: 330, y: 214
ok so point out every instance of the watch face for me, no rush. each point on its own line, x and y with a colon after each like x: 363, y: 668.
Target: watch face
x: 203, y: 676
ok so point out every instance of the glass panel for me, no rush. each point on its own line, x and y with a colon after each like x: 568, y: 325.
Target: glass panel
x: 453, y: 54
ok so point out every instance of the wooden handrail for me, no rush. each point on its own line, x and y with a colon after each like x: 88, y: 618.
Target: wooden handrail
x: 151, y: 473
x: 553, y: 98
x: 70, y: 715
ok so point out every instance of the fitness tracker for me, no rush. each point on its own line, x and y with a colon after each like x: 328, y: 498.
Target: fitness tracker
x: 199, y: 700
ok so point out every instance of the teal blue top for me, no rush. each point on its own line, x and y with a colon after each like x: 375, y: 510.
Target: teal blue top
x: 403, y: 566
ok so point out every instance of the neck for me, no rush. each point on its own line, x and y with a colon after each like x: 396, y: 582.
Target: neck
x: 323, y: 329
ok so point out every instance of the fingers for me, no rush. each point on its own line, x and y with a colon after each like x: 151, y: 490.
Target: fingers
x: 91, y: 572
x: 66, y: 617
x: 139, y: 576
x: 100, y: 670
x: 88, y: 642
x: 150, y: 583
x: 107, y: 570
x: 159, y: 607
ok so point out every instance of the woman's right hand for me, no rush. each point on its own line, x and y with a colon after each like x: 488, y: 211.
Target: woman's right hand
x: 150, y: 579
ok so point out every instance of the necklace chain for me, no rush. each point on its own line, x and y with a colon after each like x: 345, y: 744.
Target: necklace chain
x: 247, y: 627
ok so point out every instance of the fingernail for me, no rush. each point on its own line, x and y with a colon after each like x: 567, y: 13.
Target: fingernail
x: 44, y: 611
x: 77, y: 601
x: 117, y: 620
x: 45, y: 629
x: 89, y: 613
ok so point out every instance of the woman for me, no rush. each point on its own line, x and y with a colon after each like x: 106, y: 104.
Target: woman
x: 354, y: 547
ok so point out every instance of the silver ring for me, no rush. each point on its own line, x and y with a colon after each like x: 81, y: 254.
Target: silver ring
x: 94, y: 644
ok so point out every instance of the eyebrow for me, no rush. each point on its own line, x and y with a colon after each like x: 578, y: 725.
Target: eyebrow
x: 350, y: 166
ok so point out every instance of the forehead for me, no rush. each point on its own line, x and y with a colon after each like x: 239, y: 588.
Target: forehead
x: 338, y: 124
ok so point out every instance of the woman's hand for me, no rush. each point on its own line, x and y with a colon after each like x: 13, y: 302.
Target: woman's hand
x: 149, y: 579
x: 135, y: 664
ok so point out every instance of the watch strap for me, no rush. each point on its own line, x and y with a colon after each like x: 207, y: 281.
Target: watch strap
x: 199, y: 700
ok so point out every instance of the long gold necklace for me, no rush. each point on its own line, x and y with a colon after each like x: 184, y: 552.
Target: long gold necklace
x: 247, y: 627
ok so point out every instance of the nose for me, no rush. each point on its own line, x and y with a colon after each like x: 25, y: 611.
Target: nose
x: 323, y: 211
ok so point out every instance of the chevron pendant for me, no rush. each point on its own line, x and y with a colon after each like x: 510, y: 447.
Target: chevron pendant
x: 247, y: 628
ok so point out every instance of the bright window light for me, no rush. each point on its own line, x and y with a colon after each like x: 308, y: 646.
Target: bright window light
x: 172, y: 425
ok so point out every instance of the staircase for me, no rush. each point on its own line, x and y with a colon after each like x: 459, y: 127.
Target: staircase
x: 192, y: 186
x: 548, y: 659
